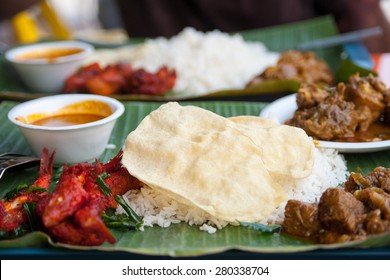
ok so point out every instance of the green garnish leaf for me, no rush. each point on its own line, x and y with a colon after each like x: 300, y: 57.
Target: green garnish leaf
x: 103, y: 186
x: 120, y: 221
x: 55, y: 178
x: 110, y: 211
x: 130, y: 212
x: 25, y: 188
x: 11, y: 194
x: 261, y: 227
x: 348, y: 67
x: 29, y: 207
x: 18, y: 232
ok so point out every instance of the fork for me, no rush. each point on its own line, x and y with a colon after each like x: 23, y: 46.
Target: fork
x: 13, y: 160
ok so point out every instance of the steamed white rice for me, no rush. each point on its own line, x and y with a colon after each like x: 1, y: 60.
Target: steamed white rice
x: 329, y: 170
x: 204, y: 62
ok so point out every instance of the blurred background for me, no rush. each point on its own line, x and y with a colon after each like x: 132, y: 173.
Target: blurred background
x: 94, y: 19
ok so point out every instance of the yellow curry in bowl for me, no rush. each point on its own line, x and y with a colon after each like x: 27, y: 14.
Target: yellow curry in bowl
x: 50, y: 54
x: 77, y: 113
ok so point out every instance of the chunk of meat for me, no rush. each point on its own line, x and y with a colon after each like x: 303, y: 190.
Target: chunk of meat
x: 330, y: 237
x: 12, y: 211
x: 375, y: 198
x: 301, y: 219
x: 353, y: 213
x: 72, y: 233
x: 386, y: 113
x: 379, y: 178
x: 332, y: 118
x: 344, y: 113
x: 375, y: 224
x: 340, y: 211
x: 298, y: 66
x: 310, y: 95
x: 368, y: 94
x: 66, y: 199
x: 120, y: 78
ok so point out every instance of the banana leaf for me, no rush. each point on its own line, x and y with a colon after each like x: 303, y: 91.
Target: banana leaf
x: 278, y: 38
x: 180, y: 240
x: 347, y: 67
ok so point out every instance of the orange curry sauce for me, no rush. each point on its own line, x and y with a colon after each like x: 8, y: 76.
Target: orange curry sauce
x: 65, y: 120
x: 377, y: 131
x: 51, y: 54
x: 77, y: 113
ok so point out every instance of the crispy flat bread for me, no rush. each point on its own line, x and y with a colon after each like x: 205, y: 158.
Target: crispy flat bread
x: 253, y: 121
x: 286, y: 150
x: 204, y: 160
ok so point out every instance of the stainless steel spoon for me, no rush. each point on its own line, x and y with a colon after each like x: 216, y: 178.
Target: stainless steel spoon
x: 13, y: 160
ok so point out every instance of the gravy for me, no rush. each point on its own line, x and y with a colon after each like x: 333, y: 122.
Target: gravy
x: 66, y: 120
x: 51, y: 54
x: 377, y: 131
x: 77, y: 113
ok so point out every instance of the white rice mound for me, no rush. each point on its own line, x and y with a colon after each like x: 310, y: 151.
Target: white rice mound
x: 204, y: 62
x: 329, y: 170
x: 156, y: 208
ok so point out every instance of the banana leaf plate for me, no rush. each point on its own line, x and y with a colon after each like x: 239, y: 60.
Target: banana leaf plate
x: 278, y: 38
x: 180, y: 240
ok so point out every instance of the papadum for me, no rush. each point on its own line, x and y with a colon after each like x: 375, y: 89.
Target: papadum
x: 285, y: 149
x: 205, y: 160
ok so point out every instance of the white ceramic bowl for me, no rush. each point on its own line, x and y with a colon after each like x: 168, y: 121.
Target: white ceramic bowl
x: 47, y: 75
x: 73, y: 143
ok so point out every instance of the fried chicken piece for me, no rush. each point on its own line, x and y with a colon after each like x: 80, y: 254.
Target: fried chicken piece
x: 65, y: 200
x: 12, y: 212
x: 120, y: 78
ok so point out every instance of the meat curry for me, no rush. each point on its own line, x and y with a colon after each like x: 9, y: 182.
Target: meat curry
x: 357, y: 111
x: 359, y: 209
x: 297, y: 66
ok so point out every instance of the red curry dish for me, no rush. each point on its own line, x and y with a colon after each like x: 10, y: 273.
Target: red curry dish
x: 357, y: 111
x: 75, y: 212
x: 120, y: 78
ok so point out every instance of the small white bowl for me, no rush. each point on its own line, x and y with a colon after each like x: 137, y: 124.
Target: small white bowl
x: 73, y: 143
x: 47, y: 75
